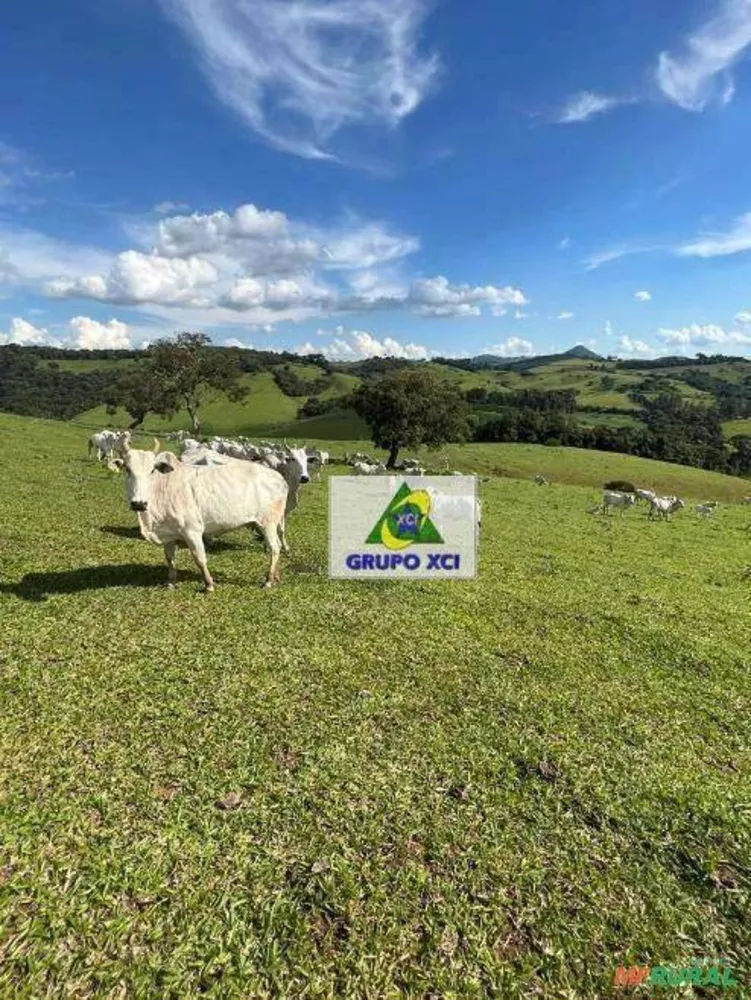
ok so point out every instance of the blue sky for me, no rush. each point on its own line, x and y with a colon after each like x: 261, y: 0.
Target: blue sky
x: 378, y: 176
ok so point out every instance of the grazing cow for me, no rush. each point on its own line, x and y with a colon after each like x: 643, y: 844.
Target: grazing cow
x: 102, y: 442
x: 664, y: 507
x: 541, y: 480
x: 647, y: 495
x: 317, y: 459
x: 178, y: 502
x: 705, y: 509
x: 368, y: 469
x: 611, y: 499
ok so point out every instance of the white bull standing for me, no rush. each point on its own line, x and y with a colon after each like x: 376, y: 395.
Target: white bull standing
x: 176, y: 503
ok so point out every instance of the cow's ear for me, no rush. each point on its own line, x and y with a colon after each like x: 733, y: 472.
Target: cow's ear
x: 115, y: 464
x: 166, y: 462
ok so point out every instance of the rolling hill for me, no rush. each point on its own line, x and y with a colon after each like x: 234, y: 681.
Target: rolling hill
x: 503, y: 787
x: 608, y: 393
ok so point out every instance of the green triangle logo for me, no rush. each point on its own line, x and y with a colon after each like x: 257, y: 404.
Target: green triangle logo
x: 405, y: 521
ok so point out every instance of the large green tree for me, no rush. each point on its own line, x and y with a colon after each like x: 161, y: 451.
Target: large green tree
x: 183, y: 371
x: 411, y: 407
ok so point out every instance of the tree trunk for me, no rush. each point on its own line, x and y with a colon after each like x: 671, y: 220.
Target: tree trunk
x: 393, y: 452
x: 193, y: 414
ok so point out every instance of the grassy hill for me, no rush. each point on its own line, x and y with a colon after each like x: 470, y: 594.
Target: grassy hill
x: 608, y: 395
x: 501, y: 787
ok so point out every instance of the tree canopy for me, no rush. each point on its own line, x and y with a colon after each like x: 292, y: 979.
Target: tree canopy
x: 182, y: 371
x: 410, y: 407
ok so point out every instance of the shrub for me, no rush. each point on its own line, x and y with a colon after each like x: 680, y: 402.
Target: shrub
x: 621, y: 485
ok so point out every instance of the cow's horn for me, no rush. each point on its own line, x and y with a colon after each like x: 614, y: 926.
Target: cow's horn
x: 156, y: 446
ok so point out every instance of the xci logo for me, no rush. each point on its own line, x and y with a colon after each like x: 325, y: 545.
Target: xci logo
x: 405, y: 521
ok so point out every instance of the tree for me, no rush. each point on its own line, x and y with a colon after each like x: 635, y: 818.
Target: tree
x: 183, y: 370
x: 140, y: 392
x: 411, y: 407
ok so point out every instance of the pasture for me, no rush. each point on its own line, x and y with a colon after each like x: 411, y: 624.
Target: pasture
x: 497, y: 788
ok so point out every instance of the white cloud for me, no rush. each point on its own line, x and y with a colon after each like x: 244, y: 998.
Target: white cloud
x: 635, y: 348
x: 736, y: 240
x: 357, y: 344
x: 585, y: 105
x: 700, y: 75
x: 565, y: 243
x: 743, y: 317
x: 83, y: 333
x: 608, y: 328
x: 234, y: 342
x: 249, y: 293
x: 565, y: 315
x: 138, y: 278
x: 24, y: 333
x: 512, y: 347
x: 168, y: 207
x: 298, y: 73
x: 267, y: 242
x: 92, y: 335
x: 643, y: 296
x: 201, y: 269
x: 697, y: 335
x: 439, y: 297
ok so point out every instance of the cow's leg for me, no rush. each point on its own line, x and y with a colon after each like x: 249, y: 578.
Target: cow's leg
x: 170, y: 548
x: 282, y: 532
x: 194, y: 541
x: 271, y: 531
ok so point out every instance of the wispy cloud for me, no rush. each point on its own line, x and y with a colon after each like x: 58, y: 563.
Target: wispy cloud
x: 600, y: 257
x: 643, y: 296
x: 736, y: 240
x: 700, y: 73
x: 299, y: 72
x: 585, y: 105
x: 565, y: 315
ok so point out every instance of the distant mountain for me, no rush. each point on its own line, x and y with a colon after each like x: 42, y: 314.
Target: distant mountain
x: 580, y: 351
x: 523, y: 363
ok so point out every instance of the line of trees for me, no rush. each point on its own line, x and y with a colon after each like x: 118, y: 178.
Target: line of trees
x: 673, y: 431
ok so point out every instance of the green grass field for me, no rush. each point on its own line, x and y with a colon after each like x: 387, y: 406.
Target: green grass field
x: 497, y: 788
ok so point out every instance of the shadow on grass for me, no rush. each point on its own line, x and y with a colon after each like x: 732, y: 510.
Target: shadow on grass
x: 121, y: 531
x: 40, y: 586
x: 212, y: 544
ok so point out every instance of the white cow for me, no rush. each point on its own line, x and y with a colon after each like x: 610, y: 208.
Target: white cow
x: 664, y: 507
x: 611, y: 499
x: 705, y: 509
x: 368, y: 469
x: 747, y: 499
x: 102, y: 443
x: 647, y: 495
x: 295, y: 471
x: 178, y: 502
x: 317, y: 459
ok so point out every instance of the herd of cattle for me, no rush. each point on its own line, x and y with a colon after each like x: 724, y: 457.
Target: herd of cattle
x: 217, y: 486
x: 224, y: 484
